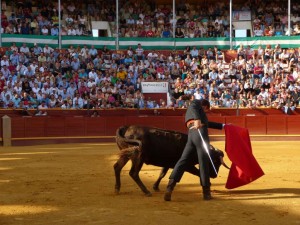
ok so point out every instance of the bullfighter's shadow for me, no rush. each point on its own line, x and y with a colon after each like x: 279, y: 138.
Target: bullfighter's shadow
x: 261, y: 194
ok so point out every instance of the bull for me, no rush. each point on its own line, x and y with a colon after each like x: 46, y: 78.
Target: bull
x: 156, y: 147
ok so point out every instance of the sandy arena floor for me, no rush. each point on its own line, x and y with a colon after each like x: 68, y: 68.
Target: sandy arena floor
x: 74, y: 184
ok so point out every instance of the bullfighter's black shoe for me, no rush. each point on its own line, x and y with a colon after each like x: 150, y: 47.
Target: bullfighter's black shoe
x: 206, y: 193
x: 170, y: 188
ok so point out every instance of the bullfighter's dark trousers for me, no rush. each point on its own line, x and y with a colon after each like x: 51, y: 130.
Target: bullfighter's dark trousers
x: 193, y: 144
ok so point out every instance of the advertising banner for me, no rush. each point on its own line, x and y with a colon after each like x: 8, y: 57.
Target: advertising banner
x: 241, y: 15
x: 154, y: 87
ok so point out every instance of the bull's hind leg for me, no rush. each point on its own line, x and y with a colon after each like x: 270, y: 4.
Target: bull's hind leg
x: 137, y: 164
x: 162, y: 174
x: 118, y: 166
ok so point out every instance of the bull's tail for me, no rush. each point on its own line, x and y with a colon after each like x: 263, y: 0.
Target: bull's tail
x: 124, y: 142
x: 120, y: 136
x: 130, y: 152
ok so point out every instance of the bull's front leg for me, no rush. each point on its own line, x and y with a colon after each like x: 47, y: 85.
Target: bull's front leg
x: 137, y: 164
x: 162, y: 174
x: 193, y: 170
x: 118, y: 166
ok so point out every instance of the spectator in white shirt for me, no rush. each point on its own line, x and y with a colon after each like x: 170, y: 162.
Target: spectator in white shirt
x: 130, y: 21
x: 84, y: 52
x: 69, y: 20
x: 258, y: 32
x: 33, y: 66
x: 24, y: 49
x: 36, y: 88
x: 41, y: 109
x: 198, y: 95
x: 79, y: 31
x: 5, y: 71
x: 48, y: 50
x: 71, y: 89
x: 93, y: 52
x: 4, y: 61
x: 77, y: 102
x: 45, y: 89
x: 91, y: 83
x: 45, y: 30
x: 213, y: 75
x: 71, y: 31
x: 152, y: 56
x: 92, y: 74
x: 263, y: 94
x: 194, y: 52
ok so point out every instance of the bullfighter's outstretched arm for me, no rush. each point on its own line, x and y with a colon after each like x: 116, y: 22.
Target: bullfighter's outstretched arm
x: 214, y: 125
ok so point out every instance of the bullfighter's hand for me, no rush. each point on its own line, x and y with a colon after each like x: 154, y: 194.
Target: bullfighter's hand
x: 197, y: 124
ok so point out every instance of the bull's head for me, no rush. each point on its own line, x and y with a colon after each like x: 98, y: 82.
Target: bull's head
x: 217, y: 157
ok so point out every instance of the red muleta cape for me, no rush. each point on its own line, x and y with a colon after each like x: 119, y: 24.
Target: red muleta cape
x: 244, y: 168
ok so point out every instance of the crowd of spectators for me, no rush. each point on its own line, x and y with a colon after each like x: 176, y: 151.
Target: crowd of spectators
x: 42, y: 18
x: 143, y: 19
x: 271, y: 19
x: 88, y: 78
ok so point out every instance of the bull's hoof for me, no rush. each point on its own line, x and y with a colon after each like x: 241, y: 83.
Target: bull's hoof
x: 117, y: 191
x: 148, y: 194
x: 167, y: 196
x: 156, y: 188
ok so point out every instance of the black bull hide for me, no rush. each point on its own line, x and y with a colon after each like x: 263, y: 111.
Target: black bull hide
x: 157, y: 147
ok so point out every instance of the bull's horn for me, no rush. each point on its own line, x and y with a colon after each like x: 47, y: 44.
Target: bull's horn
x: 223, y: 163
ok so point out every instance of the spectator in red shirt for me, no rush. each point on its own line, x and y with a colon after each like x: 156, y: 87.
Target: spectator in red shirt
x: 160, y: 71
x: 142, y: 32
x: 4, y: 24
x: 257, y: 71
x: 150, y: 33
x: 2, y: 82
x: 83, y: 89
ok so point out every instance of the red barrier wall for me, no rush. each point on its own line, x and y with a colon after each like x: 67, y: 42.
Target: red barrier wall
x: 80, y: 126
x: 148, y: 112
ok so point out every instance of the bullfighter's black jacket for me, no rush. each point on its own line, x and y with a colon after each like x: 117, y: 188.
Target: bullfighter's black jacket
x: 196, y: 112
